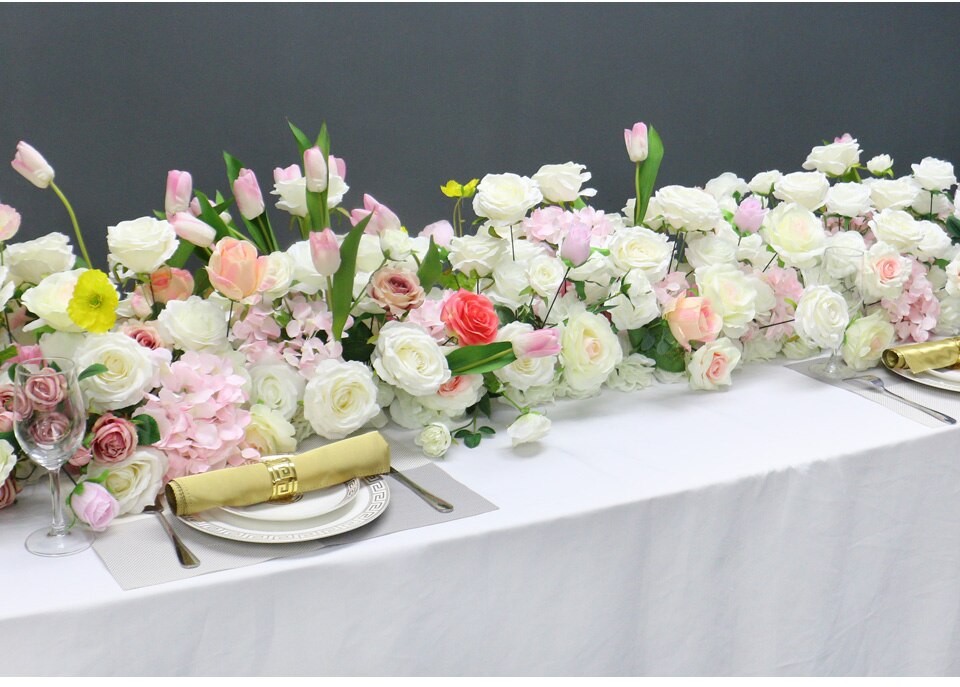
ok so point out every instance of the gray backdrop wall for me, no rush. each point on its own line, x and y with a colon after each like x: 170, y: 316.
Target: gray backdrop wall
x: 116, y: 95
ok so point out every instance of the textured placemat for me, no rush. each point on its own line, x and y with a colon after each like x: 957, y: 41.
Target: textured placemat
x: 939, y: 399
x: 137, y: 552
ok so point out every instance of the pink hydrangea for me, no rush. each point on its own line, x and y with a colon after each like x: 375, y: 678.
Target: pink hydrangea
x: 599, y: 222
x: 548, y: 224
x: 306, y: 354
x: 199, y: 411
x: 670, y: 288
x: 915, y: 313
x: 428, y: 317
x: 787, y: 289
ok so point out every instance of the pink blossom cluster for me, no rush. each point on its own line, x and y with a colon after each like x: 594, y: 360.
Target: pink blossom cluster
x: 551, y: 224
x: 915, y: 313
x: 787, y: 289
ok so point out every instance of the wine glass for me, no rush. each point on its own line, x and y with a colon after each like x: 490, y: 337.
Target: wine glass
x: 49, y: 423
x: 840, y: 269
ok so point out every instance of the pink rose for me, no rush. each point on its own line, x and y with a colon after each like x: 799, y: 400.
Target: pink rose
x: 325, y: 252
x: 9, y: 222
x: 539, y: 343
x: 396, y: 290
x: 692, y: 319
x: 442, y: 233
x: 889, y: 269
x: 114, y: 438
x: 235, y: 269
x: 80, y: 457
x: 749, y: 216
x: 94, y: 505
x: 50, y: 428
x: 471, y: 317
x: 8, y: 491
x: 8, y: 407
x: 144, y: 334
x: 45, y: 390
x: 179, y: 190
x: 171, y: 284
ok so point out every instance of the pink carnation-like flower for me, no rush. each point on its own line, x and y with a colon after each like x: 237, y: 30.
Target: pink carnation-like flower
x: 915, y: 313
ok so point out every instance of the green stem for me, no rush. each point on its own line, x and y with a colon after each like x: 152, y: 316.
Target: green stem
x: 636, y: 205
x: 76, y: 226
x: 546, y: 318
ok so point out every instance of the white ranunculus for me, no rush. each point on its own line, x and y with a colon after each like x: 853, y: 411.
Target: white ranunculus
x: 269, y: 432
x: 884, y: 271
x: 590, y: 350
x: 636, y: 305
x: 935, y: 243
x: 690, y: 209
x: 545, y: 273
x: 528, y: 428
x: 643, y: 249
x: 142, y: 244
x: 822, y: 317
x: 278, y: 386
x: 849, y: 200
x: 635, y: 372
x: 948, y: 324
x: 525, y: 372
x: 395, y: 244
x: 293, y: 196
x: 879, y: 164
x: 132, y: 370
x: 808, y: 189
x: 893, y: 194
x: 8, y: 459
x: 434, y: 439
x: 752, y: 249
x: 933, y: 174
x: 279, y: 276
x: 31, y: 261
x: 307, y: 279
x: 712, y: 364
x: 760, y: 348
x: 711, y: 249
x: 795, y: 233
x: 562, y: 183
x: 762, y: 184
x: 506, y: 198
x: 866, y: 339
x: 834, y: 158
x: 731, y: 293
x: 897, y: 228
x: 194, y: 324
x: 340, y: 399
x: 454, y: 397
x: 134, y: 481
x: 407, y: 357
x: 48, y: 300
x: 479, y: 253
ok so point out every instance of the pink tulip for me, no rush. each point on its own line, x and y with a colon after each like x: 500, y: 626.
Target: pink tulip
x: 381, y: 217
x: 442, y: 232
x: 94, y: 505
x: 576, y: 246
x: 637, y: 143
x: 9, y: 222
x: 171, y: 284
x: 291, y: 173
x: 247, y: 192
x: 337, y: 166
x: 179, y: 190
x: 316, y: 169
x: 749, y: 216
x: 325, y: 252
x: 235, y: 269
x: 32, y: 165
x: 195, y: 207
x: 193, y: 230
x: 539, y: 343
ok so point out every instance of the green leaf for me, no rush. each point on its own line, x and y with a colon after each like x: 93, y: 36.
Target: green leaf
x: 484, y: 407
x: 647, y: 172
x: 233, y: 167
x: 504, y: 314
x: 92, y: 371
x: 323, y: 140
x: 12, y: 372
x: 9, y: 436
x: 953, y: 228
x: 342, y: 292
x: 488, y: 431
x: 430, y: 268
x: 473, y: 360
x: 201, y: 282
x: 7, y: 353
x: 357, y: 346
x: 148, y: 433
x: 182, y: 254
x: 461, y: 433
x: 302, y: 141
x: 472, y: 440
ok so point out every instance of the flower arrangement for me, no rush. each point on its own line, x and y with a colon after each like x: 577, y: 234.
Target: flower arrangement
x: 207, y: 345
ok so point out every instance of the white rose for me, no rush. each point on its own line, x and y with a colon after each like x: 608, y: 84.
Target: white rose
x: 953, y: 277
x: 590, y: 351
x: 308, y: 280
x: 795, y: 233
x: 509, y: 282
x: 712, y: 364
x: 897, y: 228
x: 278, y: 386
x: 409, y: 413
x: 143, y: 244
x: 711, y: 249
x: 937, y: 276
x: 545, y: 273
x: 948, y: 324
x: 866, y: 340
x: 409, y: 358
x: 194, y: 324
x: 279, y: 276
x: 434, y: 439
x: 893, y: 194
x: 834, y: 158
x: 762, y: 184
x: 731, y: 293
x: 505, y: 198
x: 725, y: 185
x: 525, y: 372
x: 597, y: 274
x: 480, y: 253
x: 132, y: 370
x: 928, y: 203
x: 293, y: 196
x: 636, y: 304
x: 395, y: 244
x: 534, y: 396
x: 879, y: 164
x: 760, y: 348
x: 821, y: 317
x: 269, y: 432
x: 933, y: 174
x: 454, y: 397
x: 48, y: 300
x: 686, y: 208
x: 643, y: 249
x: 884, y: 271
x: 849, y: 200
x: 31, y: 261
x: 561, y: 183
x: 752, y: 249
x: 528, y: 428
x: 134, y: 481
x: 8, y: 459
x: 340, y: 399
x: 634, y: 373
x: 808, y: 189
x: 61, y: 344
x: 935, y: 244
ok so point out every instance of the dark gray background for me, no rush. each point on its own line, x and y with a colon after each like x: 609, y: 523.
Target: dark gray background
x: 116, y: 95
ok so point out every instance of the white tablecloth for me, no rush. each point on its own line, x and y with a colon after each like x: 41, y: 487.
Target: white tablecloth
x: 783, y: 527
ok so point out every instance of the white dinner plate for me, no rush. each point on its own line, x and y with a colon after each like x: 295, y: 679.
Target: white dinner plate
x: 949, y: 380
x: 313, y: 504
x: 369, y: 504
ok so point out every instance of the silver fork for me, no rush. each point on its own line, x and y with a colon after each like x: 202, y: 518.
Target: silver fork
x: 184, y: 555
x: 877, y: 384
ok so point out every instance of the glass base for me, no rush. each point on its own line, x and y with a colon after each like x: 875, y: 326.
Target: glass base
x: 43, y: 543
x: 832, y: 369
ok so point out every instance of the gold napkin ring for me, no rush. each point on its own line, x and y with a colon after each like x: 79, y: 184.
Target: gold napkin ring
x: 283, y: 475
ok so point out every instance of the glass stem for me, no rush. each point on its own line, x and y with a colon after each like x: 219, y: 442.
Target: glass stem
x: 59, y: 526
x: 833, y: 365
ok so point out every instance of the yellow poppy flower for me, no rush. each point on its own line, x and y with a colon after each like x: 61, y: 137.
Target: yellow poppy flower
x: 454, y: 189
x: 93, y: 305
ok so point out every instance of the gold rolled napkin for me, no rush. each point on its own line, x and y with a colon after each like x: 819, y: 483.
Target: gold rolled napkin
x: 368, y: 454
x: 930, y: 355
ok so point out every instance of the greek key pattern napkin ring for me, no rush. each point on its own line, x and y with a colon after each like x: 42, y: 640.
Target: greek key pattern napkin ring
x: 283, y: 475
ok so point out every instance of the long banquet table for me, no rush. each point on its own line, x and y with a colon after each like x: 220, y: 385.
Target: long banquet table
x: 783, y: 527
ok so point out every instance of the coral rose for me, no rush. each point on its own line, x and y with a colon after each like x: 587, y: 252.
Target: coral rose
x: 470, y: 317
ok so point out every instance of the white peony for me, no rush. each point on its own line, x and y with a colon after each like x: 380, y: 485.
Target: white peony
x: 762, y: 184
x: 143, y: 244
x: 893, y: 194
x: 795, y: 233
x: 194, y: 324
x: 849, y: 200
x: 409, y: 358
x: 48, y: 300
x: 934, y: 244
x: 711, y: 249
x: 884, y: 272
x: 340, y: 399
x: 279, y: 276
x: 821, y: 317
x: 732, y: 294
x: 933, y: 174
x: 590, y: 351
x: 132, y: 370
x: 31, y: 261
x: 480, y: 253
x: 8, y: 459
x: 307, y: 279
x: 562, y: 183
x: 434, y: 439
x: 643, y: 249
x: 712, y: 364
x: 525, y: 372
x: 506, y: 198
x: 636, y: 304
x: 691, y: 209
x: 897, y: 228
x: 278, y: 386
x: 269, y: 432
x: 879, y: 164
x: 528, y: 428
x: 134, y: 481
x: 866, y: 340
x: 834, y: 158
x: 635, y: 372
x: 808, y: 189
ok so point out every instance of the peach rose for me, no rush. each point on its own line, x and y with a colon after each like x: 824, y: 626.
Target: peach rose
x: 471, y: 317
x: 235, y: 269
x: 397, y: 290
x: 171, y: 284
x: 692, y: 319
